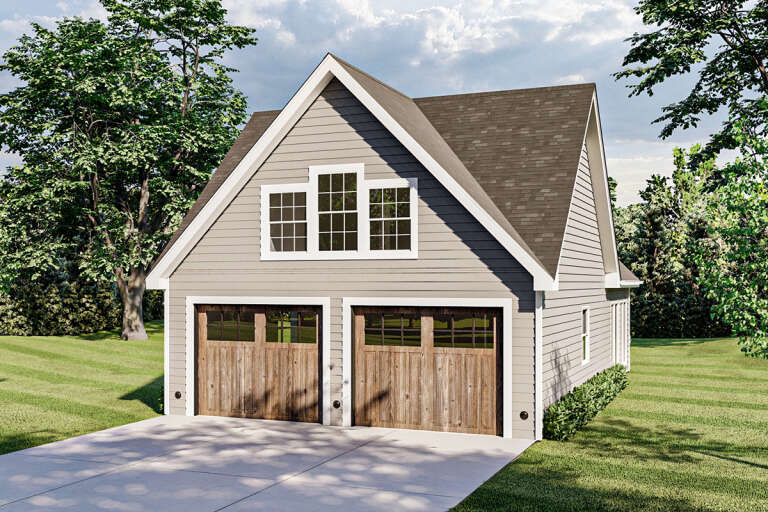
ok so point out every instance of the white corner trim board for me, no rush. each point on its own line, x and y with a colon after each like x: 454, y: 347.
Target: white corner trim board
x: 189, y: 321
x: 505, y: 304
x: 298, y: 104
x: 364, y: 187
x: 538, y: 354
x: 166, y: 345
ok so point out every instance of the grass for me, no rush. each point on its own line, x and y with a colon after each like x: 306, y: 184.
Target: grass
x: 55, y: 387
x: 690, y: 432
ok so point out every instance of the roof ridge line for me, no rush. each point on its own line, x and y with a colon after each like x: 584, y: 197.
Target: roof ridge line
x: 342, y: 61
x: 496, y: 91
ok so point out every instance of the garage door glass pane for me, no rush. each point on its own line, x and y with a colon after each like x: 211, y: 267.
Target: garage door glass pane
x: 285, y: 326
x: 411, y: 330
x: 464, y: 330
x: 391, y: 334
x: 246, y: 325
x: 442, y: 331
x: 393, y: 328
x: 484, y: 331
x: 230, y: 324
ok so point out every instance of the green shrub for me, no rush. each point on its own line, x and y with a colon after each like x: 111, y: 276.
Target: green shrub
x: 59, y: 309
x: 566, y: 416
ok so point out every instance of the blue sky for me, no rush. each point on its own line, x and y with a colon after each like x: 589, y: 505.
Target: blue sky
x: 433, y: 47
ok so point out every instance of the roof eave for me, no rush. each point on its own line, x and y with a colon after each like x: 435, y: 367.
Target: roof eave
x: 330, y: 67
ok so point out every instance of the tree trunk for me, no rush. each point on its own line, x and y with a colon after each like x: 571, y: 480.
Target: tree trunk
x: 132, y: 294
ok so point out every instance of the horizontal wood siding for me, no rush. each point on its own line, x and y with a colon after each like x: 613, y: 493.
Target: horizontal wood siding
x: 581, y: 283
x: 457, y: 256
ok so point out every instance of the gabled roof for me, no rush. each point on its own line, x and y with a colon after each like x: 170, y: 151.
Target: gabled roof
x: 510, y: 157
x: 627, y: 278
x: 523, y: 148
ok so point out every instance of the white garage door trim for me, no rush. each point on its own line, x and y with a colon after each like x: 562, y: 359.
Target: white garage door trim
x: 347, y: 303
x: 324, y: 302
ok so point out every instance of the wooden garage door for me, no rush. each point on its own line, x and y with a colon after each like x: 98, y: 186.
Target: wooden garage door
x: 428, y: 368
x: 258, y: 361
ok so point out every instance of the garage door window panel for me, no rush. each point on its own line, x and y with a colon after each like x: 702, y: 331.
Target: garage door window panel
x: 393, y: 328
x: 286, y: 326
x: 230, y: 325
x: 464, y: 330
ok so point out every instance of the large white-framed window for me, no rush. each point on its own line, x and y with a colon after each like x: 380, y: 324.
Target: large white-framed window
x: 585, y: 335
x: 338, y: 214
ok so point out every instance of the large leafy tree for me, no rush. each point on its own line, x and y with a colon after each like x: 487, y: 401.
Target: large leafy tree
x: 119, y: 125
x: 657, y: 239
x: 733, y: 261
x: 724, y: 42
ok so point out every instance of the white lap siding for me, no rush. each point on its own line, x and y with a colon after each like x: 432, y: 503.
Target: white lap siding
x: 457, y: 256
x: 581, y: 281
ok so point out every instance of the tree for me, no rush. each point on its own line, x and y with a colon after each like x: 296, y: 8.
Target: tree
x: 726, y: 43
x: 612, y: 184
x: 734, y: 260
x: 656, y: 239
x: 119, y: 125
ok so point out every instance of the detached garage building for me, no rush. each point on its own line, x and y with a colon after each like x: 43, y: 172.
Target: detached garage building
x: 364, y: 258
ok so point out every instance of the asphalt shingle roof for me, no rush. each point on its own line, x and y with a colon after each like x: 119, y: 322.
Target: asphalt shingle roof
x: 516, y: 152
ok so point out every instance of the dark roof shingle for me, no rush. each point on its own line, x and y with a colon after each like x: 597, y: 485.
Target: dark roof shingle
x: 523, y: 147
x: 516, y: 153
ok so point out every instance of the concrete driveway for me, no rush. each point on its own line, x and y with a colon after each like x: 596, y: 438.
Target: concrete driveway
x: 204, y: 463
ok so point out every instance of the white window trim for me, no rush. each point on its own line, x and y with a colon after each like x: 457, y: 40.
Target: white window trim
x: 363, y: 252
x: 585, y: 357
x: 325, y: 343
x: 505, y: 304
x: 299, y: 103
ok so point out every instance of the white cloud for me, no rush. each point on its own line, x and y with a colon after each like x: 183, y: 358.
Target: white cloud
x: 431, y: 47
x: 573, y: 78
x: 93, y: 10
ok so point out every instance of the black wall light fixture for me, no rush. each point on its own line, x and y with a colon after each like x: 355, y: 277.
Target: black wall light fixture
x: 336, y: 404
x: 523, y: 415
x: 177, y: 394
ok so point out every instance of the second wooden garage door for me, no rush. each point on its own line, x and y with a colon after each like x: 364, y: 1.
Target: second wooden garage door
x: 258, y: 361
x: 428, y: 368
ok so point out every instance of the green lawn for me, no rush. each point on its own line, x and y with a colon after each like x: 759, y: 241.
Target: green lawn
x: 690, y: 432
x: 54, y: 387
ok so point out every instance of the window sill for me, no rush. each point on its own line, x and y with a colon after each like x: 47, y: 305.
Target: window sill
x: 339, y: 255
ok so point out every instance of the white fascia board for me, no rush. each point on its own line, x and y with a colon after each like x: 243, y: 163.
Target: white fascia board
x: 295, y: 108
x: 300, y: 102
x: 612, y: 280
x: 541, y: 278
x: 594, y: 110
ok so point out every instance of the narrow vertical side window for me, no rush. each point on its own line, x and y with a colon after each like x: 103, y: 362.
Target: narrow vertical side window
x: 585, y: 334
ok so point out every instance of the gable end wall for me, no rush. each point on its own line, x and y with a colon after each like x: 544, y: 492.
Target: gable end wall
x: 581, y: 283
x: 457, y: 256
